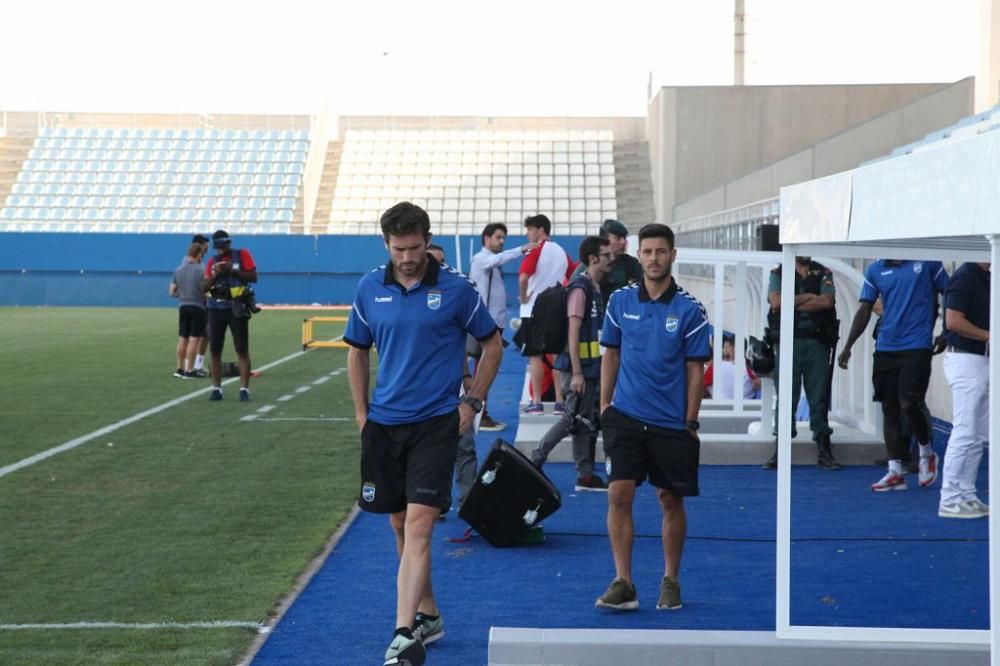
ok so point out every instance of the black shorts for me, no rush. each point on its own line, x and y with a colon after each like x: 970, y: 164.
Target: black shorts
x: 410, y: 463
x: 218, y: 321
x: 637, y: 450
x: 902, y: 375
x: 526, y: 338
x: 191, y: 322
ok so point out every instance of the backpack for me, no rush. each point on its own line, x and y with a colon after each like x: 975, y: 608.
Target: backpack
x: 549, y: 322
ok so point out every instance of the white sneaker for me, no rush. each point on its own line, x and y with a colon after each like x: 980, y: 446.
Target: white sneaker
x: 927, y: 473
x: 982, y: 506
x: 891, y: 481
x: 966, y: 509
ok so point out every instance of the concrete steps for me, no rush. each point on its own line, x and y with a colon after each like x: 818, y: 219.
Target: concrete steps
x: 633, y: 183
x: 328, y: 183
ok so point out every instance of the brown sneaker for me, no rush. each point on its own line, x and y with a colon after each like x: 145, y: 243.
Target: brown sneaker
x: 619, y: 596
x: 487, y: 424
x: 670, y: 594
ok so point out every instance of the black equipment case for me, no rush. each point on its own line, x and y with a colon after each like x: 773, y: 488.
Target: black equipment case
x: 510, y: 496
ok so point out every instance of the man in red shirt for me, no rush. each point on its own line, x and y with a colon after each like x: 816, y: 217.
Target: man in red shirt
x: 228, y: 275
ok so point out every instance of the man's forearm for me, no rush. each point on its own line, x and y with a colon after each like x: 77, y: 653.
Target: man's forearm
x: 609, y: 375
x: 486, y: 369
x: 858, y: 324
x: 358, y: 377
x: 573, y: 344
x: 695, y: 388
x: 958, y: 323
x: 522, y: 287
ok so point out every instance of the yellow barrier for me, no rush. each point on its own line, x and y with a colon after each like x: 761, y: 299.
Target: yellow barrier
x: 307, y: 334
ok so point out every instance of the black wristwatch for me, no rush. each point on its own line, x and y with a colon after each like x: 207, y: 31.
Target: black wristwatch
x: 692, y: 425
x: 472, y: 401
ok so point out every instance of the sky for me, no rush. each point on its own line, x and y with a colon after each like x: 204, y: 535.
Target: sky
x: 450, y: 57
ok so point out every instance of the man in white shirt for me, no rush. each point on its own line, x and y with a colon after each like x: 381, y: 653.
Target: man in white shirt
x: 545, y: 266
x: 485, y: 270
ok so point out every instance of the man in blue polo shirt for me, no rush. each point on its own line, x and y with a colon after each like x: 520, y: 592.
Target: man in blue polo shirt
x: 902, y: 366
x: 652, y: 380
x: 967, y: 369
x: 417, y: 314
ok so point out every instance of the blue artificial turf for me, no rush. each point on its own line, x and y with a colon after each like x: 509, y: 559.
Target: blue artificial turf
x: 858, y: 559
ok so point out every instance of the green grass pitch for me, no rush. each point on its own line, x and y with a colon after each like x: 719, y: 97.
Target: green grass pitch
x: 189, y: 515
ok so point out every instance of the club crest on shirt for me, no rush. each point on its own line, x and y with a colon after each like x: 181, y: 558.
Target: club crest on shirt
x: 434, y: 300
x: 917, y: 266
x: 368, y: 492
x: 671, y: 323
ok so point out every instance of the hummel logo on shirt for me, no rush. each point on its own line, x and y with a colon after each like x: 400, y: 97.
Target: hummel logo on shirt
x: 631, y: 316
x: 383, y: 299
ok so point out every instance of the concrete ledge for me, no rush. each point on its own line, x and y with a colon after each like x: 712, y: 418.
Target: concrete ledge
x: 600, y: 647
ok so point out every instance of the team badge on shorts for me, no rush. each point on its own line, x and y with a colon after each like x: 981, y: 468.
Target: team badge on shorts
x: 368, y: 492
x: 671, y: 323
x: 918, y: 267
x: 434, y: 300
x: 607, y: 466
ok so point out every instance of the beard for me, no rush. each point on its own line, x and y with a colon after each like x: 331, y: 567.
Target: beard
x: 664, y: 269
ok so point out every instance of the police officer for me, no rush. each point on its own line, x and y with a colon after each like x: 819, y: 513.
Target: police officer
x: 625, y: 268
x: 816, y: 329
x: 967, y: 368
x: 228, y: 274
x: 652, y: 379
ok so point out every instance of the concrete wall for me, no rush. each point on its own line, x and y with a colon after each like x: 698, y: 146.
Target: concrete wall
x: 624, y: 128
x: 845, y: 150
x: 703, y: 137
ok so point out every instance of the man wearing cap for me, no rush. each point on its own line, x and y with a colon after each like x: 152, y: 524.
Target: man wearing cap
x: 625, y: 268
x: 227, y: 277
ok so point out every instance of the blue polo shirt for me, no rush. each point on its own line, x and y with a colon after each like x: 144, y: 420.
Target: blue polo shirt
x: 969, y: 293
x: 907, y: 289
x: 655, y: 338
x: 420, y: 337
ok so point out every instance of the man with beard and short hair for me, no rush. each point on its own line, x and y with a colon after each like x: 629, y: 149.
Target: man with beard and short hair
x: 411, y: 424
x: 656, y: 339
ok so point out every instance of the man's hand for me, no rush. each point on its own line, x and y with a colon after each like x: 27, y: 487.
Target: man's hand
x: 528, y: 247
x: 940, y: 343
x: 843, y: 359
x: 577, y: 383
x: 222, y: 267
x: 361, y: 420
x: 466, y: 417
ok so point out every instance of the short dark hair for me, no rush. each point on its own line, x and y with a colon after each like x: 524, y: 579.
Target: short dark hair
x: 200, y: 238
x: 403, y: 219
x: 657, y: 230
x: 539, y: 222
x: 591, y: 247
x: 435, y: 246
x: 491, y: 229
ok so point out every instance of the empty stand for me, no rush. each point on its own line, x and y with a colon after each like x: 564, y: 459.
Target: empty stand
x: 158, y: 180
x: 466, y: 179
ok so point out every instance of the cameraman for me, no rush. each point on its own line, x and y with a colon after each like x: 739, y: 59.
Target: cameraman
x: 230, y: 304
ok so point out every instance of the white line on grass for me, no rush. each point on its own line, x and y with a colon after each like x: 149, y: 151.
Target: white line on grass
x: 322, y: 380
x: 300, y: 418
x: 265, y: 409
x: 303, y: 389
x: 73, y: 443
x: 286, y: 398
x: 215, y: 624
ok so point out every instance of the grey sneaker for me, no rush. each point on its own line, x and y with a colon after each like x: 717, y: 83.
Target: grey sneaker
x: 966, y: 509
x: 405, y: 651
x: 670, y: 594
x: 619, y: 596
x: 982, y: 506
x: 428, y: 628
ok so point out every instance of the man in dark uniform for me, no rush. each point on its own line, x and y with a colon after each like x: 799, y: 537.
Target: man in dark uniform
x: 812, y: 349
x: 625, y: 268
